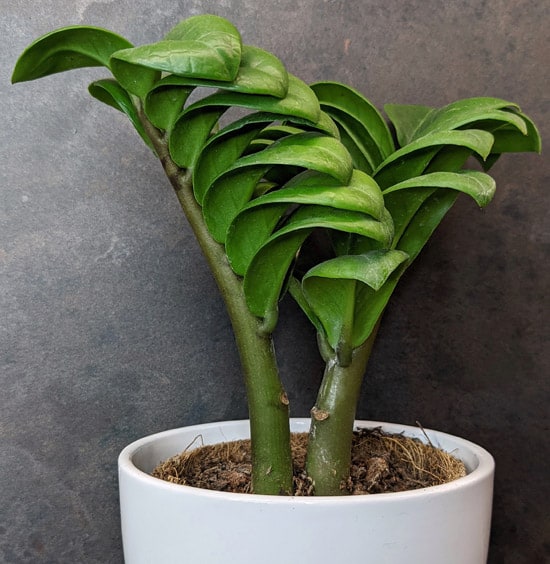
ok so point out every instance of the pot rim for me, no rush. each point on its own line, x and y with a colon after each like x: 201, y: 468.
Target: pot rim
x: 483, y: 471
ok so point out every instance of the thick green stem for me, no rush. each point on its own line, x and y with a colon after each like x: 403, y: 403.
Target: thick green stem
x: 267, y: 400
x: 332, y: 418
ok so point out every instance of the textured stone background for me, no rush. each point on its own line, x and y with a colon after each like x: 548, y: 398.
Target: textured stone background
x: 110, y: 324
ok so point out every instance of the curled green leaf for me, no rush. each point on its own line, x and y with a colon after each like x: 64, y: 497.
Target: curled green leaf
x: 480, y: 186
x: 231, y: 191
x: 406, y: 119
x: 358, y: 117
x: 466, y: 112
x: 412, y: 159
x: 332, y: 293
x: 256, y: 222
x: 165, y: 101
x: 206, y: 46
x: 111, y: 93
x: 67, y: 48
x: 265, y: 276
x: 224, y: 148
x: 191, y: 130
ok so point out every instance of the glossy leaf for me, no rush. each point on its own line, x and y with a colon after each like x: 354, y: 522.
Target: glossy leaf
x: 296, y: 290
x: 401, y: 166
x: 226, y: 197
x: 353, y: 243
x: 191, y: 131
x: 325, y: 124
x: 216, y: 45
x: 480, y: 186
x: 362, y: 120
x: 264, y: 280
x: 265, y: 276
x: 465, y: 113
x: 255, y: 223
x: 510, y: 140
x: 406, y: 120
x: 360, y: 160
x: 199, y: 27
x: 224, y: 148
x: 276, y: 132
x: 65, y: 49
x: 356, y: 140
x: 260, y: 73
x: 403, y: 204
x: 232, y: 190
x: 332, y: 292
x: 244, y: 136
x: 425, y: 221
x: 249, y: 231
x: 360, y: 194
x: 165, y: 101
x: 137, y: 80
x: 419, y: 231
x: 111, y: 93
x: 207, y: 47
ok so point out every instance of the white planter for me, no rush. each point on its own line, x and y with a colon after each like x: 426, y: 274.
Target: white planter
x: 165, y: 523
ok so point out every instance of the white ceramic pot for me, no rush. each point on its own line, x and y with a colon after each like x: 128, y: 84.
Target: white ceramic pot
x: 165, y: 523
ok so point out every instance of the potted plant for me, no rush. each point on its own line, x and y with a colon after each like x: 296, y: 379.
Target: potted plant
x: 311, y: 193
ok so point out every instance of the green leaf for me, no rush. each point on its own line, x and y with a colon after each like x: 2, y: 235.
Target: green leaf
x: 65, y: 49
x: 231, y: 191
x: 360, y: 160
x: 111, y: 93
x: 406, y: 120
x: 371, y: 304
x: 358, y: 116
x: 295, y: 289
x: 135, y: 79
x: 209, y: 33
x: 403, y: 204
x: 276, y: 132
x: 412, y: 159
x: 417, y: 212
x: 249, y: 231
x: 326, y: 124
x: 331, y: 291
x: 191, y: 131
x: 260, y: 73
x: 360, y: 194
x: 255, y: 223
x: 265, y: 278
x: 425, y: 221
x: 372, y: 269
x: 511, y: 140
x: 480, y: 186
x: 466, y: 112
x: 224, y: 148
x: 268, y: 270
x: 165, y: 101
x: 354, y: 136
x: 207, y: 47
x: 226, y: 197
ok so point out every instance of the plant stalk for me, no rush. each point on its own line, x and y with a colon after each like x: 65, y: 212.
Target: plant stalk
x: 267, y: 400
x: 332, y: 419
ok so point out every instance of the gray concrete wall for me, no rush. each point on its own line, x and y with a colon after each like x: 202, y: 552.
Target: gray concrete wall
x: 110, y: 324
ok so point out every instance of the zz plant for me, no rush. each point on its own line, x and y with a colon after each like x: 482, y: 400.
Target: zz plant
x: 309, y: 193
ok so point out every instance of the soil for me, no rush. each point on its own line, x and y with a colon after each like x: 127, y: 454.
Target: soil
x: 380, y: 463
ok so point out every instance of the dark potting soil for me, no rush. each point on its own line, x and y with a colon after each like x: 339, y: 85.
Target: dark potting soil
x: 380, y: 463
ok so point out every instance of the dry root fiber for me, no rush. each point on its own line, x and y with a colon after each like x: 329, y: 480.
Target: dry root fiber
x: 380, y: 463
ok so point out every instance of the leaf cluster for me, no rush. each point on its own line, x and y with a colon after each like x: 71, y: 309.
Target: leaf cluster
x: 310, y: 189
